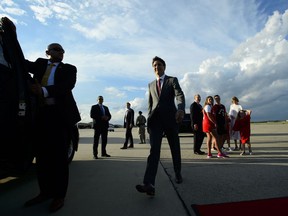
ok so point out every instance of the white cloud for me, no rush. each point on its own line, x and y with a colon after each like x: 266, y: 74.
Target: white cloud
x: 115, y: 92
x: 224, y: 47
x: 112, y: 26
x: 42, y: 13
x: 256, y: 72
x: 8, y: 7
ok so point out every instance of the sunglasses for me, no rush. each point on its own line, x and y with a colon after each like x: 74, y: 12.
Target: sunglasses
x: 58, y: 49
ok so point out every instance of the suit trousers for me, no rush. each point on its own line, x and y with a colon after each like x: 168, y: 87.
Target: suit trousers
x: 156, y: 132
x: 103, y: 132
x: 198, y: 139
x: 51, y: 153
x: 128, y: 136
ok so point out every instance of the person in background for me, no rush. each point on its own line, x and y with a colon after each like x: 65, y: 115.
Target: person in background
x: 163, y: 117
x: 227, y: 136
x: 101, y: 117
x: 196, y: 116
x: 128, y: 124
x: 219, y: 111
x: 209, y: 127
x: 242, y: 124
x: 235, y: 107
x: 140, y: 123
x: 57, y: 114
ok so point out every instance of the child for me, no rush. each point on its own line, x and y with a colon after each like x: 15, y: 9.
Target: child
x: 242, y: 124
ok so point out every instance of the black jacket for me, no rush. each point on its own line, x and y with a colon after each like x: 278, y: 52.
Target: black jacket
x: 64, y: 82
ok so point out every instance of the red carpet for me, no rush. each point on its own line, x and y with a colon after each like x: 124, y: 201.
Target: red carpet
x: 264, y: 207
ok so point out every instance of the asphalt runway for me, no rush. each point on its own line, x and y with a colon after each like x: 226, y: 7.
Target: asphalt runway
x: 106, y: 187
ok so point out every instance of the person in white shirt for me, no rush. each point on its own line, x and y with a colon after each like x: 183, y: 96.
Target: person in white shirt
x: 235, y: 107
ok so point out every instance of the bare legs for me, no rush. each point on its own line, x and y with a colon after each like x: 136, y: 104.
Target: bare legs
x: 212, y: 136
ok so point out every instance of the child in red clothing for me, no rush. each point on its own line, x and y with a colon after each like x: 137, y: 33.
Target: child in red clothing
x: 242, y: 124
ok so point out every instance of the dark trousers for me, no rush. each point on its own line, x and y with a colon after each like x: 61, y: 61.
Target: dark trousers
x: 128, y: 137
x: 51, y: 153
x: 103, y: 132
x: 198, y: 140
x: 156, y: 135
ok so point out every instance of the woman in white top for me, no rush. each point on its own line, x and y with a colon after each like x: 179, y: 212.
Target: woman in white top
x: 235, y: 107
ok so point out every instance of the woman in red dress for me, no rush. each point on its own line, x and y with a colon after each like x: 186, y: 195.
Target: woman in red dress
x: 209, y: 127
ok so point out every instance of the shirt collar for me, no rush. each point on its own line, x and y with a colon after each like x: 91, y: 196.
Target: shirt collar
x: 55, y: 63
x: 162, y: 77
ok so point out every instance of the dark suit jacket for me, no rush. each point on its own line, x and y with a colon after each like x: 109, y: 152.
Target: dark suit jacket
x: 64, y: 82
x: 164, y: 106
x: 96, y: 114
x: 196, y: 115
x: 129, y: 118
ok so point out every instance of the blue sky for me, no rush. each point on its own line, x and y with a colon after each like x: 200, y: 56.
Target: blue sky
x: 226, y: 47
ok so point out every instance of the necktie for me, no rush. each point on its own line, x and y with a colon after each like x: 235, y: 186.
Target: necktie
x: 159, y: 86
x: 102, y: 109
x: 47, y: 74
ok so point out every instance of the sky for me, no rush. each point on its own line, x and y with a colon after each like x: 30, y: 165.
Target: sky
x: 225, y: 47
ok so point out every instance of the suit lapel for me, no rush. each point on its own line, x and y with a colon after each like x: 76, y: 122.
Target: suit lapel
x: 164, y: 84
x: 59, y: 68
x: 42, y: 69
x: 154, y: 86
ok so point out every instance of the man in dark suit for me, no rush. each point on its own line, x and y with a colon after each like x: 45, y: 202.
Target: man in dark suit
x: 196, y: 116
x: 128, y: 124
x: 57, y: 114
x: 163, y: 117
x: 101, y: 117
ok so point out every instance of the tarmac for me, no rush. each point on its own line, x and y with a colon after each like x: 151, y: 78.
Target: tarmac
x: 106, y: 187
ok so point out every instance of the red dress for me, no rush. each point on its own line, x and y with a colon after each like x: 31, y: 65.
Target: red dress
x: 243, y: 125
x: 207, y: 125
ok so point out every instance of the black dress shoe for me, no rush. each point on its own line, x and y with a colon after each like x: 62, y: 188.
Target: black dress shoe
x: 124, y: 147
x: 131, y: 146
x: 95, y: 157
x: 36, y: 200
x: 56, y: 205
x: 148, y: 189
x: 179, y: 179
x: 106, y: 155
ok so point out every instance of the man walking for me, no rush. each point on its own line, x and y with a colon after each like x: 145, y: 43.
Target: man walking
x: 128, y: 124
x: 163, y: 117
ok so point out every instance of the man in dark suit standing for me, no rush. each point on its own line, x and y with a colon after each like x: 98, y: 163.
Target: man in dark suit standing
x: 101, y: 117
x: 57, y: 114
x: 128, y: 124
x: 163, y: 117
x: 196, y: 116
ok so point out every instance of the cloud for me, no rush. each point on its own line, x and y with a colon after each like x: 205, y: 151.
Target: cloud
x: 115, y: 92
x: 41, y: 13
x: 224, y: 47
x: 8, y: 7
x: 256, y: 72
x: 45, y: 10
x: 112, y: 26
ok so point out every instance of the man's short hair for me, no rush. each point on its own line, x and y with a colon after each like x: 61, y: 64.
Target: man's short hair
x: 156, y: 58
